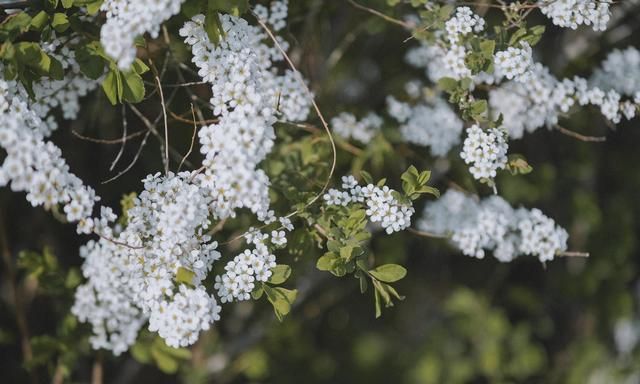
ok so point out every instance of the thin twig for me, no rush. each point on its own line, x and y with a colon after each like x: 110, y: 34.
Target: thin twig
x: 576, y: 135
x: 107, y: 141
x: 166, y: 128
x: 315, y: 106
x: 183, y: 120
x: 427, y: 234
x: 193, y: 138
x: 381, y: 15
x: 572, y: 254
x: 124, y: 138
x: 135, y: 159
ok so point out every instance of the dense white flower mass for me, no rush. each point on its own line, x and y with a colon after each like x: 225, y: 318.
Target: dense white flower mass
x: 541, y: 98
x: 132, y: 274
x: 64, y: 93
x: 491, y: 224
x: 246, y: 94
x: 573, y: 13
x: 432, y: 124
x: 137, y: 274
x: 485, y: 152
x: 448, y: 57
x: 620, y: 71
x: 347, y: 126
x: 180, y: 321
x: 463, y: 22
x: 128, y: 19
x: 248, y: 269
x: 36, y: 166
x: 381, y: 207
x: 514, y: 63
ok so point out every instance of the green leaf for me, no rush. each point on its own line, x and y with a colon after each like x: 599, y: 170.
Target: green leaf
x: 7, y: 51
x: 14, y: 25
x: 39, y: 21
x: 518, y: 165
x: 280, y: 274
x: 60, y: 22
x: 478, y: 107
x: 139, y: 67
x: 56, y: 71
x: 165, y: 362
x: 67, y: 3
x: 110, y: 87
x: 366, y: 176
x: 93, y: 6
x: 257, y: 293
x: 389, y: 273
x: 213, y: 25
x: 327, y: 261
x: 281, y: 299
x: 185, y: 276
x: 90, y: 61
x: 447, y: 84
x: 141, y: 352
x: 376, y: 294
x: 133, y: 87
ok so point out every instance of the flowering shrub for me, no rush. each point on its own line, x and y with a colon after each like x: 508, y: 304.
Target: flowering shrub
x: 273, y: 177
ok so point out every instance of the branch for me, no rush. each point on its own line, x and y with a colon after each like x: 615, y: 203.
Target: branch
x: 576, y: 135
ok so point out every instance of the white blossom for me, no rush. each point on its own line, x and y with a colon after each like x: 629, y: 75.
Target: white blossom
x: 485, y: 152
x: 492, y: 225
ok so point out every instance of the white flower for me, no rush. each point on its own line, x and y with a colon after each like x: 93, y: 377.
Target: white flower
x: 493, y: 225
x: 485, y: 152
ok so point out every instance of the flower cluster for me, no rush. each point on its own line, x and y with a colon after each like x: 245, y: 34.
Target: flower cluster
x: 64, y: 93
x: 514, y: 63
x: 275, y: 15
x: 462, y: 23
x: 432, y: 124
x: 573, y: 13
x: 620, y: 71
x: 540, y: 99
x: 485, y: 152
x: 36, y: 166
x: 347, y: 126
x: 247, y: 94
x: 247, y: 269
x: 180, y: 321
x: 132, y: 274
x: 128, y: 19
x: 476, y: 227
x: 381, y: 206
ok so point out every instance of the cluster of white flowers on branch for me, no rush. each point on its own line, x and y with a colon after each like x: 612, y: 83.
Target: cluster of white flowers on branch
x: 246, y: 92
x: 166, y: 238
x: 620, y: 71
x: 541, y: 99
x: 347, y: 126
x: 573, y: 13
x: 446, y: 57
x: 485, y: 151
x: 251, y: 266
x: 476, y: 227
x: 66, y: 92
x: 429, y: 123
x: 132, y: 274
x: 381, y: 206
x: 36, y: 166
x: 128, y: 19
